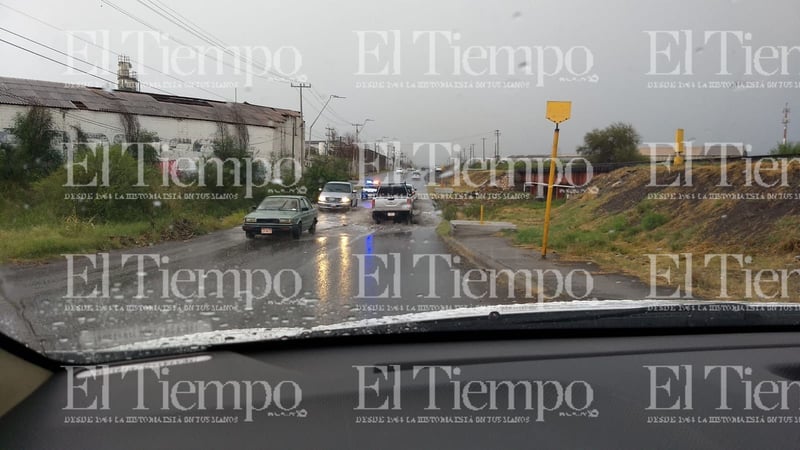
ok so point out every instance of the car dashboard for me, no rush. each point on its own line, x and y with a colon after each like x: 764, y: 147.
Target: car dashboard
x: 726, y: 390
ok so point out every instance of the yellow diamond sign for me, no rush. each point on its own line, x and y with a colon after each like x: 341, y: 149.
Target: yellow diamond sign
x: 558, y: 111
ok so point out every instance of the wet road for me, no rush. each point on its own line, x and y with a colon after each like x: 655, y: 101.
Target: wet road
x: 350, y: 269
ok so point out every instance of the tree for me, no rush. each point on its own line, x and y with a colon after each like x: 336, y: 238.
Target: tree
x: 143, y: 142
x: 33, y: 156
x: 322, y: 170
x: 619, y: 142
x: 231, y: 161
x: 788, y: 149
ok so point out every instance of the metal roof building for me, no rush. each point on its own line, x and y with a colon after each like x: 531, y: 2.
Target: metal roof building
x: 21, y: 92
x: 186, y: 127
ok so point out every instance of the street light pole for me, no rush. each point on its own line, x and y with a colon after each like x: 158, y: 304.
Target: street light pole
x: 320, y: 113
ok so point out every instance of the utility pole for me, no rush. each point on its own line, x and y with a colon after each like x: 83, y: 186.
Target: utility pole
x: 328, y: 140
x: 785, y: 122
x: 301, y: 86
x: 484, y: 148
x: 358, y: 127
x: 497, y: 145
x: 355, y: 154
x: 294, y: 134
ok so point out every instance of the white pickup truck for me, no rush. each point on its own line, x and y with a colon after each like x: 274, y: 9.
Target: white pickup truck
x: 394, y: 202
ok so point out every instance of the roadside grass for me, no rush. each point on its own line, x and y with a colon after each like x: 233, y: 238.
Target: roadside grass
x: 644, y: 240
x: 130, y: 206
x: 49, y: 240
x: 44, y: 219
x: 36, y: 227
x: 443, y: 229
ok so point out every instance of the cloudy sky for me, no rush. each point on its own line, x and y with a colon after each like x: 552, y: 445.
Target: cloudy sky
x: 444, y: 71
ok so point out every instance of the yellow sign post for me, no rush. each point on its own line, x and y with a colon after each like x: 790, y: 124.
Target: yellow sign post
x: 556, y: 112
x: 679, y: 148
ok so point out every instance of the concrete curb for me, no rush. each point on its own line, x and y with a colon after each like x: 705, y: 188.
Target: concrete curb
x: 475, y: 257
x: 487, y: 262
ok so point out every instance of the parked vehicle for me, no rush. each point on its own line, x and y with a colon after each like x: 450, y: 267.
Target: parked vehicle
x: 281, y: 213
x: 394, y: 202
x: 337, y: 195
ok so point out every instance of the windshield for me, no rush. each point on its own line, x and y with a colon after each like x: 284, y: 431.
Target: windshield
x: 279, y: 203
x: 337, y: 187
x: 392, y: 191
x: 161, y: 166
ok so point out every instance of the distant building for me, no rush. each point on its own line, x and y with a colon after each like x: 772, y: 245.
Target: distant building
x: 186, y: 127
x: 317, y: 147
x: 665, y: 152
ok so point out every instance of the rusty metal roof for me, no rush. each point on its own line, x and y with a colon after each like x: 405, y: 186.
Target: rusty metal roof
x: 17, y: 91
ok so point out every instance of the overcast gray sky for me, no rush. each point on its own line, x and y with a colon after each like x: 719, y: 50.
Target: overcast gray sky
x: 621, y: 50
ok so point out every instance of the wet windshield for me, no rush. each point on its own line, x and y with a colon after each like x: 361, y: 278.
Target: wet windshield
x: 552, y: 154
x: 278, y: 203
x: 337, y: 187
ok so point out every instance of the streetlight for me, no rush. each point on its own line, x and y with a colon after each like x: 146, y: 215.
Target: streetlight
x: 331, y: 97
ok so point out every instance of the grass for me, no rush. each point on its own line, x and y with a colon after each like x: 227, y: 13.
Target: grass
x: 628, y: 241
x: 33, y: 228
x: 69, y: 235
x: 43, y: 220
x: 443, y: 229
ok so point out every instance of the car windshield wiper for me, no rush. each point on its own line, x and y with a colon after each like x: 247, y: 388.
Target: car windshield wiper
x: 693, y: 315
x: 528, y: 320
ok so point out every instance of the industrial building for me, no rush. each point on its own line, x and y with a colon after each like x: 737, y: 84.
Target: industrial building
x: 186, y: 127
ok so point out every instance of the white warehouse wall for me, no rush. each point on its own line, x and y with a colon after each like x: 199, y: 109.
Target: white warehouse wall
x: 179, y: 137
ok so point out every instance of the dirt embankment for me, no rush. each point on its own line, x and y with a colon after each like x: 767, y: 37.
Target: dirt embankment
x: 745, y: 206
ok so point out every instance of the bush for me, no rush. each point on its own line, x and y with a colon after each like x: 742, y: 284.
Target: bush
x: 33, y: 156
x: 653, y: 220
x: 102, y: 202
x: 449, y: 212
x: 322, y: 170
x: 473, y: 210
x: 787, y: 149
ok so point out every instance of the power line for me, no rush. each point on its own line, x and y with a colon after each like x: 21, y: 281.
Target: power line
x: 173, y: 16
x: 200, y: 35
x: 332, y: 110
x: 176, y: 20
x: 198, y: 31
x: 69, y: 56
x: 165, y: 6
x: 56, y: 50
x: 57, y: 62
x: 137, y: 19
x: 49, y: 25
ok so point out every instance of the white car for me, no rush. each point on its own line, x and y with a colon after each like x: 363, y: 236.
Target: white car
x: 337, y: 195
x: 399, y: 171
